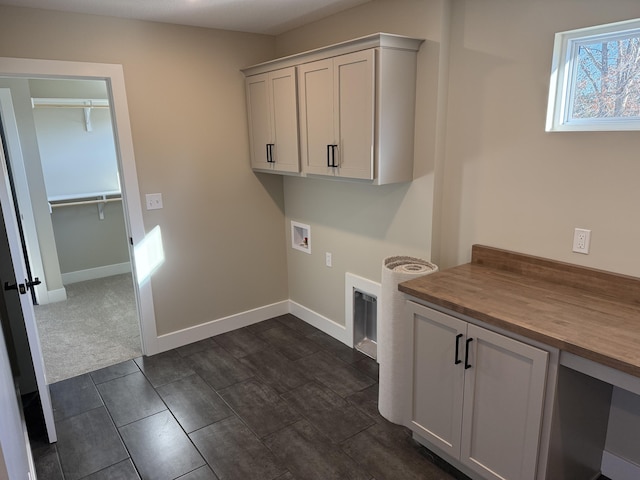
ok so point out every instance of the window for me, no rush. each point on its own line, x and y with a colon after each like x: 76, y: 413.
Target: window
x: 595, y: 79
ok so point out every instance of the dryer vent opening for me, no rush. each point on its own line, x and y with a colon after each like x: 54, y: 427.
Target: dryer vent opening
x: 365, y: 313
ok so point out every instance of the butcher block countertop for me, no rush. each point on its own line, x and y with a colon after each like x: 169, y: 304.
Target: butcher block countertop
x: 591, y: 313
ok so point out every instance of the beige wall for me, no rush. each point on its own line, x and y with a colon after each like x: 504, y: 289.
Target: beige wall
x: 222, y: 226
x: 507, y: 182
x: 362, y: 224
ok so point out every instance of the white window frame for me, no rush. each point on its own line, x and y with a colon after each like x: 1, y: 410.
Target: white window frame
x: 562, y: 75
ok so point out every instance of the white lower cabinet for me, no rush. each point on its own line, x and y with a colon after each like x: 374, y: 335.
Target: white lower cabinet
x: 478, y: 396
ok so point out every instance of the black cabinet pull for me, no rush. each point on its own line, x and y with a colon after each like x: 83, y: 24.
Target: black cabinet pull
x: 333, y: 155
x: 330, y: 156
x: 457, y: 359
x: 466, y: 354
x: 270, y: 153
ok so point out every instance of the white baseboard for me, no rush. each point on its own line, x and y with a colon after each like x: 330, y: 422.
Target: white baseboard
x: 243, y: 319
x: 328, y: 326
x: 221, y: 325
x: 53, y: 296
x: 618, y: 468
x: 95, y: 273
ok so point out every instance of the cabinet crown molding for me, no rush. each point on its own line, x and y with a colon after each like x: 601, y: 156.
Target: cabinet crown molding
x: 376, y: 40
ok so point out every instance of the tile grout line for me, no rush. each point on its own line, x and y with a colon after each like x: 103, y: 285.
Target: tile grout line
x: 114, y: 423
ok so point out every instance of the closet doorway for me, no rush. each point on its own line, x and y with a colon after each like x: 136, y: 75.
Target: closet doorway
x: 64, y: 156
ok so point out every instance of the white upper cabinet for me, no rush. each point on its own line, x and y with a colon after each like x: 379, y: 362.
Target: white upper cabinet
x: 356, y: 110
x: 273, y: 120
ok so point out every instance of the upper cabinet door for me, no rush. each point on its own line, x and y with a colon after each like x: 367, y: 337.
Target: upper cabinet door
x: 285, y: 156
x: 337, y: 98
x: 317, y: 136
x: 259, y: 116
x: 354, y: 87
x: 273, y: 120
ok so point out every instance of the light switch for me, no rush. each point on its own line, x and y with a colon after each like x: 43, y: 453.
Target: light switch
x: 154, y: 201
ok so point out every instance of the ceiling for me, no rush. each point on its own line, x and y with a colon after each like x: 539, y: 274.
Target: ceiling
x: 270, y: 17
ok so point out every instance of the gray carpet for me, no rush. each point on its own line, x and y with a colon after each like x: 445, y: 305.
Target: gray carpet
x: 97, y: 326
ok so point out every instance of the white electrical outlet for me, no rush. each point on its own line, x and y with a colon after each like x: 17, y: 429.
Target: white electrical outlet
x: 327, y: 259
x: 581, y: 240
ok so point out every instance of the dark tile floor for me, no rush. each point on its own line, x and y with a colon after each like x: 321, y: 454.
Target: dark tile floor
x: 275, y: 400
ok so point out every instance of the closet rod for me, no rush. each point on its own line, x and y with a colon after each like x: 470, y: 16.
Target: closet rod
x: 71, y: 106
x: 85, y: 202
x: 69, y: 103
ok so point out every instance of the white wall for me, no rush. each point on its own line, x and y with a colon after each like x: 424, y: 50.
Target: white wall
x: 75, y: 161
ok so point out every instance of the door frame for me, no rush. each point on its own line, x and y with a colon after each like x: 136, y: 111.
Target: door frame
x: 113, y: 75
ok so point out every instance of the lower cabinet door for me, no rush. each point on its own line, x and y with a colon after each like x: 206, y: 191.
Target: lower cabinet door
x: 503, y: 403
x: 438, y: 377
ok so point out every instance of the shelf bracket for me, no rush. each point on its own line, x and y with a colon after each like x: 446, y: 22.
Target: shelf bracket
x: 101, y: 207
x: 87, y: 119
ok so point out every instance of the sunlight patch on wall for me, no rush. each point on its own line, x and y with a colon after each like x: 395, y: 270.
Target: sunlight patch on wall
x: 149, y: 255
